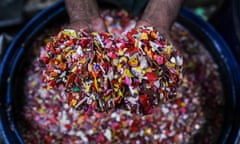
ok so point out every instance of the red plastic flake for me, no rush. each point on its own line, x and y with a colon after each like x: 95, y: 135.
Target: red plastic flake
x: 151, y: 76
x: 45, y: 60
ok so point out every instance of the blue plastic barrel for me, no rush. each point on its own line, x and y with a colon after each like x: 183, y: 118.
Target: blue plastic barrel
x: 14, y: 57
x: 227, y: 22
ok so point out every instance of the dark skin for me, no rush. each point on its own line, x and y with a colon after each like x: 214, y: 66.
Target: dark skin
x: 158, y: 13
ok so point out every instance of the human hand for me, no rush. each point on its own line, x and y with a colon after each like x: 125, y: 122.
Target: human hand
x: 161, y: 14
x: 84, y: 14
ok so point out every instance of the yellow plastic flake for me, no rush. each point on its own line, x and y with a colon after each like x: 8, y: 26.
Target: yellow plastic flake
x: 120, y: 93
x: 66, y: 50
x: 116, y: 87
x: 122, y: 51
x: 166, y: 84
x: 94, y: 33
x: 171, y: 65
x: 70, y: 32
x: 74, y: 69
x: 153, y: 35
x: 33, y: 83
x: 87, y: 88
x: 107, y: 98
x: 144, y: 36
x: 119, y: 67
x: 56, y: 62
x: 123, y: 60
x: 148, y: 70
x: 135, y: 90
x: 127, y: 73
x: 133, y: 61
x: 73, y: 102
x: 96, y: 44
x: 82, y: 60
x: 182, y: 104
x: 124, y: 124
x: 139, y: 68
x: 119, y: 80
x: 69, y: 53
x: 169, y: 47
x: 95, y: 83
x: 148, y: 131
x: 51, y: 78
x: 59, y: 58
x: 42, y: 110
x: 149, y: 52
x: 136, y: 43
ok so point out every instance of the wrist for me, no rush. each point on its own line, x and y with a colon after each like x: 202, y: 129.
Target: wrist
x: 160, y: 23
x: 82, y: 18
x: 94, y: 24
x: 82, y: 10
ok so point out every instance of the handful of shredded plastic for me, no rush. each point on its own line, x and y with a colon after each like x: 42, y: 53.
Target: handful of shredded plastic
x: 134, y: 71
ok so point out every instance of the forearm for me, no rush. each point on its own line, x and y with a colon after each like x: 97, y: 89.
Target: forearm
x: 82, y: 10
x: 162, y: 13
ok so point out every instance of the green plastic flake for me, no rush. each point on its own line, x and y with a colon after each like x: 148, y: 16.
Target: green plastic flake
x: 76, y: 89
